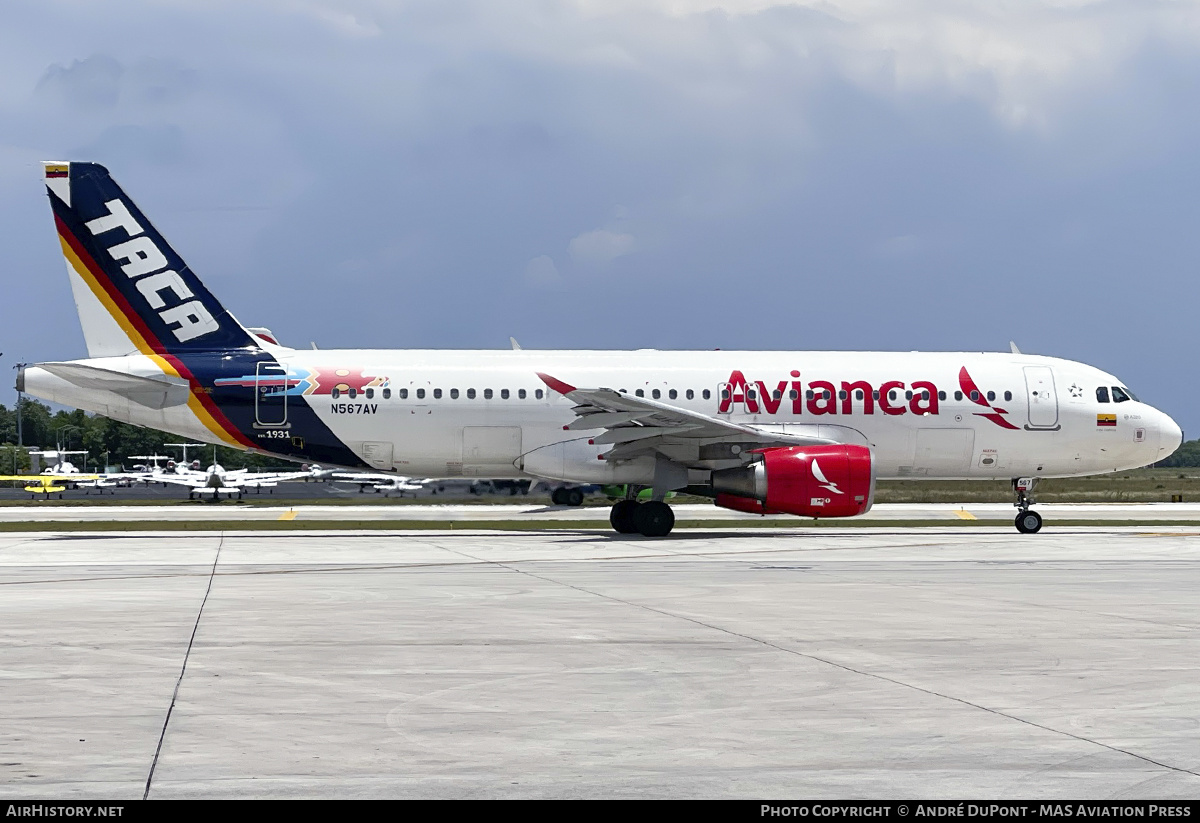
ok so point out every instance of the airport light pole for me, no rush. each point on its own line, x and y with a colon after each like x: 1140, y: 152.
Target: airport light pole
x: 20, y: 403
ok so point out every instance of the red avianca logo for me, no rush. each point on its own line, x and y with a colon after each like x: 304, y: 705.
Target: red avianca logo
x: 822, y: 397
x: 993, y: 413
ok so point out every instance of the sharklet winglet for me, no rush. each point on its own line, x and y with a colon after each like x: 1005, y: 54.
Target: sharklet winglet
x: 556, y: 384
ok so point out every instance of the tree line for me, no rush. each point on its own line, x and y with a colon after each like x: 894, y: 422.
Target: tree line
x: 106, y: 441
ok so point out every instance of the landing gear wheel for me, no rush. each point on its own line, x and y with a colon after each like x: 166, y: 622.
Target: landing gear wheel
x: 1029, y: 522
x: 654, y: 519
x: 623, y: 516
x: 573, y: 497
x: 556, y: 497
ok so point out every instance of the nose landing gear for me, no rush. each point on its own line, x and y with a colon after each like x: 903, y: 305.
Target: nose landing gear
x: 1028, y: 521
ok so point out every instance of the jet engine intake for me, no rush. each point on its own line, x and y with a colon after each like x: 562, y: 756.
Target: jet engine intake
x: 810, y: 481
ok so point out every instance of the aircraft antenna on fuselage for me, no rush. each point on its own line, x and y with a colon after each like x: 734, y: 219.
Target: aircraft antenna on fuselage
x: 1012, y: 345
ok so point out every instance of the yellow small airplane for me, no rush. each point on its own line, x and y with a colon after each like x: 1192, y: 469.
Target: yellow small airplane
x: 48, y: 484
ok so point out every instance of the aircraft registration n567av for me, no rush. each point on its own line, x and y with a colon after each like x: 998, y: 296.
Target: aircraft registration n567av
x: 803, y: 433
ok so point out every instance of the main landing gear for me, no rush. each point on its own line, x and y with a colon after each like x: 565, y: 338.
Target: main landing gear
x: 653, y: 518
x: 1028, y: 521
x: 567, y: 496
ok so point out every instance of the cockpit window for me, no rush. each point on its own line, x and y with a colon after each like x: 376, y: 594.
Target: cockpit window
x: 1102, y: 394
x: 1130, y: 395
x: 1119, y: 395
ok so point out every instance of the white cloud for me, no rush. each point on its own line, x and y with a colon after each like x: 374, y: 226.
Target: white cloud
x: 541, y: 271
x: 596, y: 248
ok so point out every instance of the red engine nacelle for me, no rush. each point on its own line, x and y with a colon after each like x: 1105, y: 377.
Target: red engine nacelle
x: 810, y: 481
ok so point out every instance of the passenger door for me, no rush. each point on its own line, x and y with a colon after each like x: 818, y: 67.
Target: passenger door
x: 270, y: 395
x: 1042, y: 397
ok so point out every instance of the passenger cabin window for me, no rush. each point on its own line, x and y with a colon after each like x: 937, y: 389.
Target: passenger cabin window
x: 335, y: 394
x: 538, y: 394
x: 958, y: 395
x: 353, y: 393
x: 672, y: 394
x: 1102, y: 394
x: 454, y: 394
x: 370, y: 394
x: 420, y: 394
x: 991, y: 396
x: 691, y: 395
x: 487, y: 394
x: 470, y: 394
x: 707, y: 394
x: 640, y: 393
x: 1119, y: 395
x: 437, y: 394
x: 403, y: 393
x: 724, y: 394
x: 777, y: 394
x: 504, y: 394
x: 656, y: 394
x: 974, y: 395
x: 1008, y: 395
x: 520, y: 394
x: 941, y: 395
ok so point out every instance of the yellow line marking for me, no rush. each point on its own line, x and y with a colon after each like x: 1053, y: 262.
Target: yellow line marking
x: 290, y: 514
x: 963, y: 514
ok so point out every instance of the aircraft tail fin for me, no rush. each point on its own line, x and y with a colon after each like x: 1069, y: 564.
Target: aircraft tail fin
x: 134, y: 293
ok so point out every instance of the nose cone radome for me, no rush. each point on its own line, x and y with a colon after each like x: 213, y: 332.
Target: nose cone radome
x: 1170, y: 436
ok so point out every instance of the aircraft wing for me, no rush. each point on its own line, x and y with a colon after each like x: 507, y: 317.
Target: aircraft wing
x: 48, y: 477
x: 197, y: 482
x: 152, y: 392
x: 637, y: 426
x: 365, y: 477
x: 251, y: 478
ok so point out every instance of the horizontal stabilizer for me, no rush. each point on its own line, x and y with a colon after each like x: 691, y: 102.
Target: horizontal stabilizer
x: 151, y: 392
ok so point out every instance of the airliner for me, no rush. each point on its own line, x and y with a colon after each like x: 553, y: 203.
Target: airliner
x: 804, y: 433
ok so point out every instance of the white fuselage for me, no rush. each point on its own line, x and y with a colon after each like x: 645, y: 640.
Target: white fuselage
x: 486, y: 413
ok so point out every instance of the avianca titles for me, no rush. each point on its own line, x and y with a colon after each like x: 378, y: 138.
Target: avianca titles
x: 803, y: 433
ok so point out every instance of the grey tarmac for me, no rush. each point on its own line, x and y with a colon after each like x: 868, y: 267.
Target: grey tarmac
x: 940, y: 662
x: 482, y: 512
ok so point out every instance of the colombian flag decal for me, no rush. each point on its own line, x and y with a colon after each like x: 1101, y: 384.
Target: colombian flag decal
x: 1106, y: 420
x: 56, y: 171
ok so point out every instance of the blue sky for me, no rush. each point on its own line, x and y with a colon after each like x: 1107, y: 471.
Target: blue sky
x: 659, y: 173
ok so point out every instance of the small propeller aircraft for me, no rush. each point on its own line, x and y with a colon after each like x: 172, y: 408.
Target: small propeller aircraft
x: 382, y: 482
x: 218, y: 480
x: 48, y: 484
